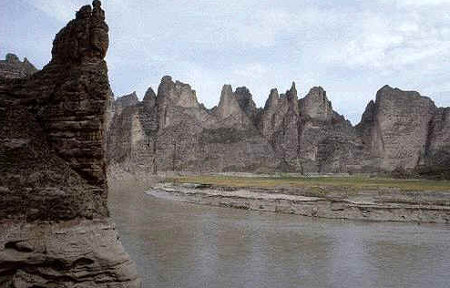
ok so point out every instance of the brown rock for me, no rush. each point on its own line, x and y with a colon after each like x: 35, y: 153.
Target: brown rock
x: 52, y: 168
x: 66, y: 254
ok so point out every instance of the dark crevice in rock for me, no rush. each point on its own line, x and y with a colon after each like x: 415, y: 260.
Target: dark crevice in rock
x: 18, y: 246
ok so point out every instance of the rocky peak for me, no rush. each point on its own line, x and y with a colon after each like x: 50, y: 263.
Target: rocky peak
x: 127, y: 100
x: 386, y: 89
x: 272, y: 101
x: 316, y: 105
x: 394, y: 100
x: 177, y: 93
x: 388, y: 93
x: 149, y: 98
x: 165, y: 88
x: 84, y: 39
x: 369, y: 113
x: 28, y: 66
x: 228, y: 104
x: 292, y: 98
x: 12, y: 58
x: 187, y: 96
x: 244, y: 98
x: 12, y: 67
x: 396, y: 127
x: 226, y: 93
x: 166, y: 79
x: 291, y: 94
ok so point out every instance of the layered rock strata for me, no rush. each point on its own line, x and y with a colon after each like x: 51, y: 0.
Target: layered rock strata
x: 170, y: 130
x: 364, y: 204
x: 55, y: 230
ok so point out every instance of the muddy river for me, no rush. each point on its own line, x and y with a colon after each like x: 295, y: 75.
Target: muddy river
x: 176, y: 244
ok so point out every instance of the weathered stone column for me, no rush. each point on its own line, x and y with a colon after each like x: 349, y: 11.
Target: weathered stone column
x: 54, y: 224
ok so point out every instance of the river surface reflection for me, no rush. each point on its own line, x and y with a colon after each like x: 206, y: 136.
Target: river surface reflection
x: 176, y: 244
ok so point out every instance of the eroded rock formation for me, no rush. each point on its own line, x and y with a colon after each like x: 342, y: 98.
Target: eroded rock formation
x: 55, y: 230
x: 172, y: 131
x: 437, y: 148
x: 404, y: 129
x: 12, y: 67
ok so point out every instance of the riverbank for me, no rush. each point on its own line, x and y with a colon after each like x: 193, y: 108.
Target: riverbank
x: 177, y: 244
x: 357, y: 198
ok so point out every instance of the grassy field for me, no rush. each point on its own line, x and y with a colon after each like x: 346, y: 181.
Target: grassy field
x: 351, y: 183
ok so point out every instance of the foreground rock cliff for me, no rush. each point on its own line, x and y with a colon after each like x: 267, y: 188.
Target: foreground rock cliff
x: 170, y: 130
x: 55, y: 230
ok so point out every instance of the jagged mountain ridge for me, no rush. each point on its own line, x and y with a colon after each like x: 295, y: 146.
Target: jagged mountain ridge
x: 171, y: 130
x: 398, y: 129
x: 12, y: 67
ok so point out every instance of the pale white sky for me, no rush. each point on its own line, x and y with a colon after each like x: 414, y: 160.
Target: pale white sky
x: 351, y: 48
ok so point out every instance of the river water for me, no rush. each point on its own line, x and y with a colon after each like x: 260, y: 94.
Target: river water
x: 176, y: 244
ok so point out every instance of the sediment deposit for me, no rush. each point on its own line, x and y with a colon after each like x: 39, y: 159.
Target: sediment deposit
x: 365, y: 204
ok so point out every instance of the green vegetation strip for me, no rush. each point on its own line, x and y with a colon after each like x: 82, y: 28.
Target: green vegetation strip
x: 352, y: 183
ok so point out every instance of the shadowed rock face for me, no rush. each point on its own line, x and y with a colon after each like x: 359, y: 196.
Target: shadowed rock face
x: 244, y: 98
x: 399, y: 129
x: 437, y: 149
x: 52, y: 168
x: 55, y: 119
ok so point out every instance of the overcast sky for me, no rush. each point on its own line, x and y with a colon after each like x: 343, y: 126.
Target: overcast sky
x: 351, y: 48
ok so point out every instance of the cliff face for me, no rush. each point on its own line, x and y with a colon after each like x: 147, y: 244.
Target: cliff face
x: 280, y: 125
x: 52, y: 168
x: 327, y: 139
x: 56, y: 117
x: 437, y: 149
x: 246, y: 103
x: 316, y: 105
x: 399, y: 129
x: 172, y: 131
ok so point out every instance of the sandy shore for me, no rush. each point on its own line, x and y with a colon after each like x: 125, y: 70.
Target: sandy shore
x: 428, y: 207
